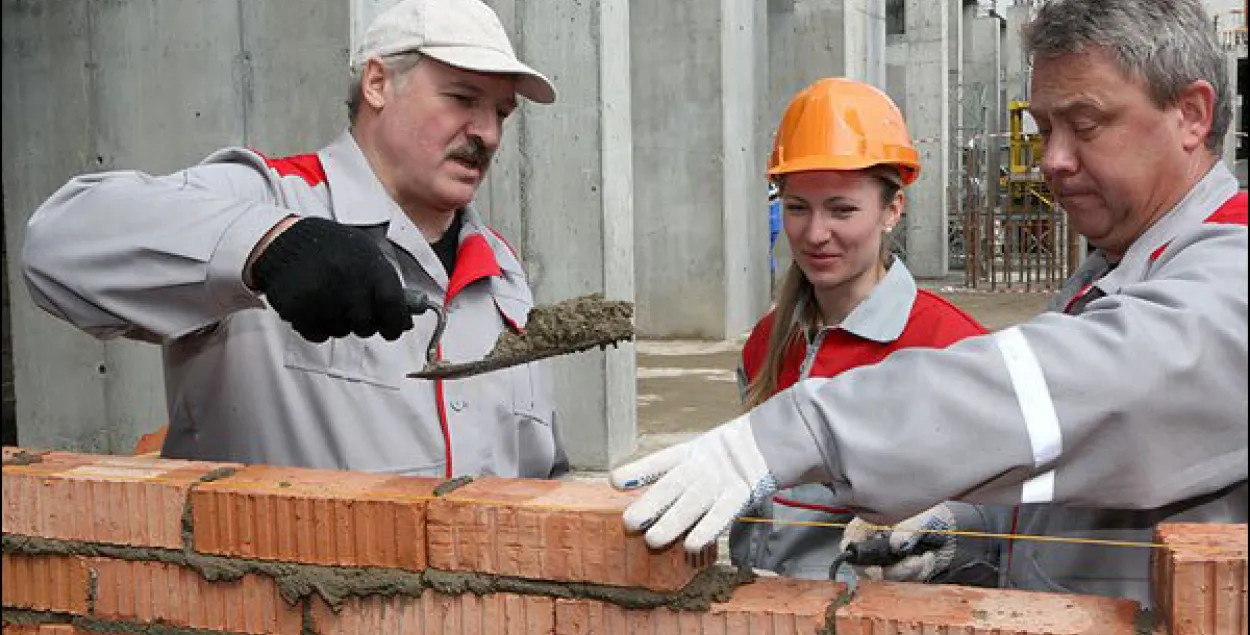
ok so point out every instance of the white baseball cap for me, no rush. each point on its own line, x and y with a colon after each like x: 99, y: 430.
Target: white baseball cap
x: 462, y: 33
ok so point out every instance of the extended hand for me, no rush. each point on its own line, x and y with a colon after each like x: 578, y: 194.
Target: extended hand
x: 914, y: 564
x: 704, y: 483
x: 331, y: 280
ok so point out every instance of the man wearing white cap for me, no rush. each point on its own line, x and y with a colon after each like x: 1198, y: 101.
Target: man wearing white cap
x: 275, y: 285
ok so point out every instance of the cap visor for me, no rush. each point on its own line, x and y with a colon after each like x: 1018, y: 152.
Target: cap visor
x: 531, y: 84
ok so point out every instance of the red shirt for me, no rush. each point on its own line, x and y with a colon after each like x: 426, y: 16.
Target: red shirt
x: 933, y: 322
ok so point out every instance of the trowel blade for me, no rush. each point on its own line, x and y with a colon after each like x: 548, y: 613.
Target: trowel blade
x: 457, y: 370
x: 571, y: 326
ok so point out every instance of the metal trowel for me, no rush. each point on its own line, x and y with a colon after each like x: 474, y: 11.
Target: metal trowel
x: 571, y: 326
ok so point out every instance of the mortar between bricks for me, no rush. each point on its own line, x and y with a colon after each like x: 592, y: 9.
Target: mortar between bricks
x: 20, y: 617
x: 333, y: 584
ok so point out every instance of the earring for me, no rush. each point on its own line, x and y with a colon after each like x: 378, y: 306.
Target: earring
x: 889, y: 228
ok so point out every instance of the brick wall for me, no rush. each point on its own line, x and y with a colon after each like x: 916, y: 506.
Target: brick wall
x: 109, y: 544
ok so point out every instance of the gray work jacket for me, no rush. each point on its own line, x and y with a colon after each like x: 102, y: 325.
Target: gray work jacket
x: 1132, y: 412
x: 160, y: 259
x: 792, y: 546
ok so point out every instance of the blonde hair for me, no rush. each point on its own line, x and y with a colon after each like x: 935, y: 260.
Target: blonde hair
x: 796, y: 310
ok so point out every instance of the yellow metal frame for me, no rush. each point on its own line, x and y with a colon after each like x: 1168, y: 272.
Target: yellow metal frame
x: 1026, y: 149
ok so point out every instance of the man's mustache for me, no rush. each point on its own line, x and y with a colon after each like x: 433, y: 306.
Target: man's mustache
x: 473, y: 152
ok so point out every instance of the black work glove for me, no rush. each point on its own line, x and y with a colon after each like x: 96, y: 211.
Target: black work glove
x: 331, y: 280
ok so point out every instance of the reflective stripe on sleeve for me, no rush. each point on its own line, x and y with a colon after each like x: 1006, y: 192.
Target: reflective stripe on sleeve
x: 1045, y: 436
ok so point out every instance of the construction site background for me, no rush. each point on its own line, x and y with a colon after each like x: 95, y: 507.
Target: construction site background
x: 644, y: 182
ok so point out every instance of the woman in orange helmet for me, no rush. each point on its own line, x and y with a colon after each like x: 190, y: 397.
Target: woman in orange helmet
x: 841, y: 159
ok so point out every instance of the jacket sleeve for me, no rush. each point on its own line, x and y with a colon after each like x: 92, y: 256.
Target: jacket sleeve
x: 1136, y: 403
x: 150, y: 258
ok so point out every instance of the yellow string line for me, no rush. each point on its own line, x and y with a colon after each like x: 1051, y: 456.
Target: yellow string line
x: 972, y: 534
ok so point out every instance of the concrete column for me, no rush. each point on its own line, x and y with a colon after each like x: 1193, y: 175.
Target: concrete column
x: 980, y: 106
x: 874, y: 27
x: 863, y: 40
x: 811, y: 39
x: 955, y: 87
x: 896, y: 53
x: 1230, y: 138
x: 854, y: 38
x: 561, y: 191
x: 996, y: 119
x: 58, y: 384
x: 971, y: 83
x: 1015, y: 63
x: 928, y: 118
x: 744, y: 54
x: 701, y: 200
x: 154, y: 86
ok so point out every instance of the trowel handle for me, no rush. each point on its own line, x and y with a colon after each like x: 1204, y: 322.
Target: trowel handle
x: 876, y: 551
x: 417, y: 303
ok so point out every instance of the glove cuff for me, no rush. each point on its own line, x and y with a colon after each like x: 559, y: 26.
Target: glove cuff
x: 943, y: 519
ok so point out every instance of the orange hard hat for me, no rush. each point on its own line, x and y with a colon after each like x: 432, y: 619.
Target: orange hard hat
x: 842, y: 124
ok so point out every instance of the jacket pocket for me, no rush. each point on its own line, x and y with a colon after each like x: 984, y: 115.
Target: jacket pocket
x: 377, y: 363
x: 531, y: 396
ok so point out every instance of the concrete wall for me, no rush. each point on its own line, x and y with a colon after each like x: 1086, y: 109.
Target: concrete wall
x: 700, y: 200
x: 927, y: 111
x: 152, y: 85
x: 811, y: 39
x: 562, y: 190
x: 156, y: 85
x: 645, y: 181
x: 1015, y: 63
x: 678, y: 165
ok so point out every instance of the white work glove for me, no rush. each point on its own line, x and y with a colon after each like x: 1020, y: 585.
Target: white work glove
x: 704, y: 483
x: 916, y: 568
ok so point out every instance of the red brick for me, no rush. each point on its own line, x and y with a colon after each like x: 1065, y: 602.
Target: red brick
x: 19, y: 629
x: 314, y: 516
x: 52, y: 629
x: 49, y: 583
x: 1200, y: 579
x: 170, y: 594
x: 151, y: 443
x: 551, y: 530
x: 59, y: 629
x: 768, y: 606
x: 437, y: 614
x: 41, y: 629
x: 121, y: 500
x: 879, y: 608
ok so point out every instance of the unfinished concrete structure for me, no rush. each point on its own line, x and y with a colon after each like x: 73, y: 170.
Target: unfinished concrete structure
x: 644, y: 182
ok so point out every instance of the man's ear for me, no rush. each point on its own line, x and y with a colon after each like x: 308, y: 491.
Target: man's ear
x: 373, y: 81
x: 1196, y: 105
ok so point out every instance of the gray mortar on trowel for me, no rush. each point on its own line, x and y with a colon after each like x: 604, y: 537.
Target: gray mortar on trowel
x: 22, y: 457
x: 451, y: 485
x: 570, y: 326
